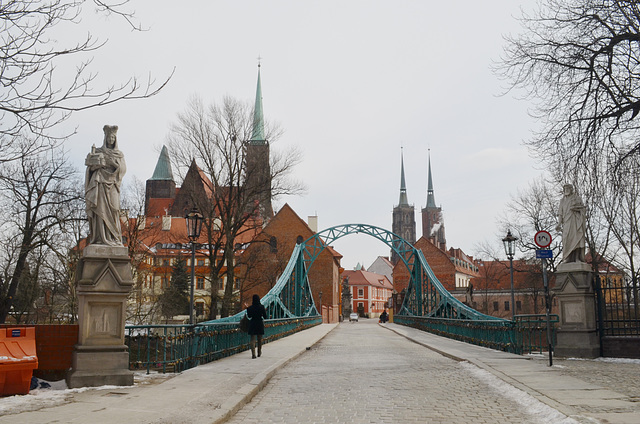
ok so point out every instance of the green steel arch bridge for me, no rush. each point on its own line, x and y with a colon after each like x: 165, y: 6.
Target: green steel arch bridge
x: 290, y: 306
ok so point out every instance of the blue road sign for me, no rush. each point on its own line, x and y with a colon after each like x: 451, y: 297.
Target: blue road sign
x: 544, y: 253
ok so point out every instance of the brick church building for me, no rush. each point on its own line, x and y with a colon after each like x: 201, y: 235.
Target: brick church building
x: 451, y: 266
x: 158, y: 237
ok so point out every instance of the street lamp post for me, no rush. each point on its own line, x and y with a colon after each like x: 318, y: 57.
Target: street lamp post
x: 510, y: 249
x: 194, y: 226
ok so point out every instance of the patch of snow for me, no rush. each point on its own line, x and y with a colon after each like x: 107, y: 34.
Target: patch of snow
x: 59, y: 393
x: 532, y: 406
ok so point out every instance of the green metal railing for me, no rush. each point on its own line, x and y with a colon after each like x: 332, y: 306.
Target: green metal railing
x: 527, y: 333
x: 531, y: 332
x: 175, y: 348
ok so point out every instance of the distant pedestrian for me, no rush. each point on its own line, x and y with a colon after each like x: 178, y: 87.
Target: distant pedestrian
x: 256, y: 313
x: 384, y: 317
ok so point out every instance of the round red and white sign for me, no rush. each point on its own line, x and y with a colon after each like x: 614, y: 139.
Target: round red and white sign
x: 542, y: 239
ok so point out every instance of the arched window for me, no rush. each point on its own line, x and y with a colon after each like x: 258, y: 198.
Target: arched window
x: 273, y: 243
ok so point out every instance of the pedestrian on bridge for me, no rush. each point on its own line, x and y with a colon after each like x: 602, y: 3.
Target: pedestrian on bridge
x: 256, y: 313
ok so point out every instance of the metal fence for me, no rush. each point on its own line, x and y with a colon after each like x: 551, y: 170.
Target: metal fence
x: 527, y: 333
x: 174, y: 348
x: 618, y: 309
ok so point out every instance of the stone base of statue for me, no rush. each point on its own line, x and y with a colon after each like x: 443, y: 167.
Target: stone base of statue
x: 104, y: 280
x: 577, y: 333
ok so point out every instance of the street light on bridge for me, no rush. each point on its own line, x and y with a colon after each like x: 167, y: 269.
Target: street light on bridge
x: 510, y: 250
x: 194, y: 226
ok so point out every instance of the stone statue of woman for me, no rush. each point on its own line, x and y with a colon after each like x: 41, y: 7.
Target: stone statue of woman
x: 105, y: 169
x: 572, y: 222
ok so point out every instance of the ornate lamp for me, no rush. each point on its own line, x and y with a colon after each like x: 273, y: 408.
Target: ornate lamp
x: 194, y: 226
x: 510, y: 250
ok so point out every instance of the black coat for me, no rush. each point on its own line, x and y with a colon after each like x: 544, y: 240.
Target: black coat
x: 256, y: 314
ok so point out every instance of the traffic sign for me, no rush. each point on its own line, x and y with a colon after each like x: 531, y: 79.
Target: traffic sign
x: 544, y: 254
x: 542, y: 239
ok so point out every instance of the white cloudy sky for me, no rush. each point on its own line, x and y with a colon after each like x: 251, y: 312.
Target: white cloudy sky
x: 350, y: 82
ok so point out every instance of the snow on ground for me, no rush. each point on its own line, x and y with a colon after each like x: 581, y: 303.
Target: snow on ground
x: 532, y: 406
x: 59, y: 393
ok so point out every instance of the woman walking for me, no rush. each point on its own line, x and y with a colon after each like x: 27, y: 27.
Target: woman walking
x: 256, y: 313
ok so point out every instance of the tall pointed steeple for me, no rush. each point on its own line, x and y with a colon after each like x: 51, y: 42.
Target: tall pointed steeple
x: 404, y: 201
x: 257, y: 135
x: 160, y: 186
x: 431, y: 200
x: 432, y: 221
x: 163, y: 167
x: 257, y: 163
x: 404, y: 218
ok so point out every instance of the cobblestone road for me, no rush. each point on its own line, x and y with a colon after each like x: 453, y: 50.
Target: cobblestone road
x: 361, y: 373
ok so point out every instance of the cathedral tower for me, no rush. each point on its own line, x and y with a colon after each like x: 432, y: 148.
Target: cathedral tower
x: 161, y: 185
x: 258, y: 169
x: 404, y: 220
x: 432, y: 222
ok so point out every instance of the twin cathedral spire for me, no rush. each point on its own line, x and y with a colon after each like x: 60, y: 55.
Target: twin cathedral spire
x: 404, y: 223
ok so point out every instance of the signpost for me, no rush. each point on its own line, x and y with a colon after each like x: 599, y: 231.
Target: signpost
x: 543, y: 240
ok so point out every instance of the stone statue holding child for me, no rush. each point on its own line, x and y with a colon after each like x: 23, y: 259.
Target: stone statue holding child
x: 105, y: 169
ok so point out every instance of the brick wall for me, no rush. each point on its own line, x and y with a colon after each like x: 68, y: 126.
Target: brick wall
x: 285, y: 228
x: 54, y: 348
x: 439, y: 262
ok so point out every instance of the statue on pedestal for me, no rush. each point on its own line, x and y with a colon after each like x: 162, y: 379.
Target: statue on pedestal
x: 104, y: 277
x: 105, y: 169
x: 572, y: 222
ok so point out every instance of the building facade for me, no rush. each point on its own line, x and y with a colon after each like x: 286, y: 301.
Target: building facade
x: 370, y: 292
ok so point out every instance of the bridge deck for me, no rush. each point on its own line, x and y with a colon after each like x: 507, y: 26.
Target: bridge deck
x: 213, y: 392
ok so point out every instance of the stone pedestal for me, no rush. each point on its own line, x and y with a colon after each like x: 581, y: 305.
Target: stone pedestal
x: 577, y: 333
x: 104, y: 280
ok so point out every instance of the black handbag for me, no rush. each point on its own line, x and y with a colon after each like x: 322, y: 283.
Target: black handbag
x: 244, y: 324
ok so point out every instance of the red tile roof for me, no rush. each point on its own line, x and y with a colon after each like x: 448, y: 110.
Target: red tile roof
x: 366, y: 278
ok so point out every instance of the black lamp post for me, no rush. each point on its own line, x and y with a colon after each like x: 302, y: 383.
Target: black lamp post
x: 510, y: 249
x: 194, y: 226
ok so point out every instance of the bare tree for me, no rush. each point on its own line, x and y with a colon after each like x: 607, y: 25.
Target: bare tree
x: 217, y: 137
x: 580, y: 61
x: 531, y: 210
x: 35, y: 94
x: 37, y: 192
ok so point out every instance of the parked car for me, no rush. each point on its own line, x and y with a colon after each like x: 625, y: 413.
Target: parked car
x: 353, y: 317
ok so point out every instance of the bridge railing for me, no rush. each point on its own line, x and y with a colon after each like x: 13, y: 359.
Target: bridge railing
x: 531, y: 332
x: 527, y: 333
x: 174, y: 348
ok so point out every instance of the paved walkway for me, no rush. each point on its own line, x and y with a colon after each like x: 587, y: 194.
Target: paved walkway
x: 214, y: 392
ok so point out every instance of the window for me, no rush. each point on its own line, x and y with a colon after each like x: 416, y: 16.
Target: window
x: 166, y: 262
x: 200, y: 262
x: 518, y: 305
x: 199, y: 307
x: 360, y: 292
x: 496, y: 306
x: 506, y: 305
x: 200, y: 283
x: 164, y: 282
x: 273, y: 243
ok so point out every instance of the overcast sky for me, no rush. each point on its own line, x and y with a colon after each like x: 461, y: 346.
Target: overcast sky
x: 350, y: 82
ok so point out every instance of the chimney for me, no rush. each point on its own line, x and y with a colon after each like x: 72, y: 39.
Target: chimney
x: 313, y: 223
x: 166, y: 223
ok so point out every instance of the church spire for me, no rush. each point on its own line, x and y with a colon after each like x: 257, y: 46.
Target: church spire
x: 163, y: 167
x: 257, y: 136
x: 431, y: 200
x: 404, y: 201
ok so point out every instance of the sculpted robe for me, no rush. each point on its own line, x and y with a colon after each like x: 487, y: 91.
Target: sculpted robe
x: 571, y: 216
x: 105, y: 169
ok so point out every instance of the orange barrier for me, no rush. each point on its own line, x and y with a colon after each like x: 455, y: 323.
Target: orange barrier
x: 17, y: 360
